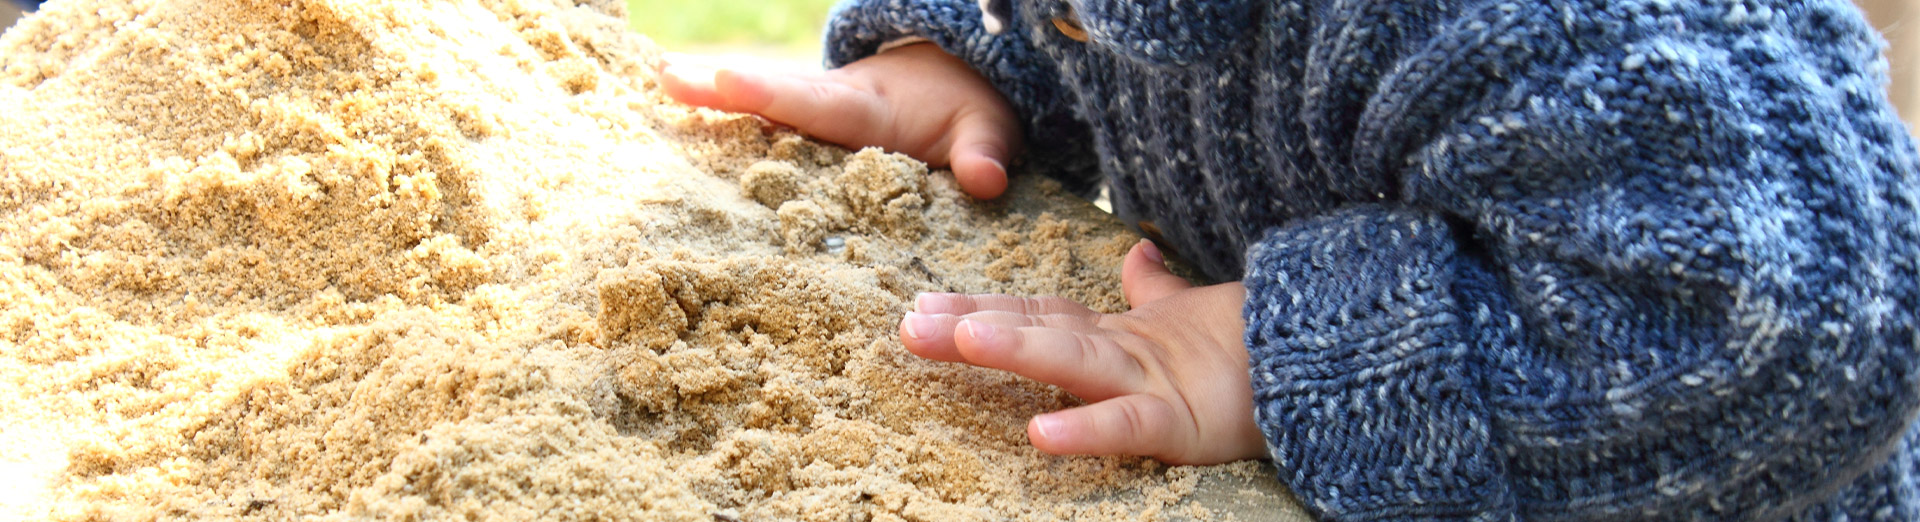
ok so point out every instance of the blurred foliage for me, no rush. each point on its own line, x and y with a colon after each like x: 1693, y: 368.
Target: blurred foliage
x: 677, y: 24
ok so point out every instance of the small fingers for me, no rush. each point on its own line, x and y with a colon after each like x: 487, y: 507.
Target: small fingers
x: 1091, y: 366
x: 690, y: 82
x: 931, y: 335
x: 818, y: 104
x: 825, y: 108
x: 1136, y: 424
x: 962, y: 304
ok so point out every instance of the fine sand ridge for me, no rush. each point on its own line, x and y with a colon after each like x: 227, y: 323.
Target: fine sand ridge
x: 404, y: 260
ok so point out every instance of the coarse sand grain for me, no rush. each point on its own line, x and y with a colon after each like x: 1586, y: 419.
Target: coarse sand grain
x: 435, y: 260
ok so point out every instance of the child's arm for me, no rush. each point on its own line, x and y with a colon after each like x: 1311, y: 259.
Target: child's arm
x: 1641, y: 260
x: 1644, y: 260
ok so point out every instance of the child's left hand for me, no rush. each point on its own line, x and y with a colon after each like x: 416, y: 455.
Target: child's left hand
x: 1166, y: 380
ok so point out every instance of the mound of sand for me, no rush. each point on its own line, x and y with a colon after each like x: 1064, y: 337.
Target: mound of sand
x: 274, y: 259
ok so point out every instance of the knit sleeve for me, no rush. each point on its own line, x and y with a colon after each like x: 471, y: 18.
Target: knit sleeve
x: 1643, y: 261
x: 1057, y: 142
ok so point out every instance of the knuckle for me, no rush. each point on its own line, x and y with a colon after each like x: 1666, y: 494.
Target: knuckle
x: 1059, y: 305
x: 1128, y: 323
x: 1136, y: 420
x: 1089, y: 349
x: 1033, y: 306
x: 1147, y: 429
x: 972, y: 303
x: 1058, y: 320
x: 1014, y: 318
x: 824, y: 93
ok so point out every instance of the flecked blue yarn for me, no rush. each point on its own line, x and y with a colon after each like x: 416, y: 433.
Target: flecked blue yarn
x: 1542, y: 260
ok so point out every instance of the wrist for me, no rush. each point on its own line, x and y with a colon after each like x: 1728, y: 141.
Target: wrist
x: 902, y: 42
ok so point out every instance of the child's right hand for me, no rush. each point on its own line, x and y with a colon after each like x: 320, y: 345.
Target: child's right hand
x: 917, y: 100
x: 1168, y: 379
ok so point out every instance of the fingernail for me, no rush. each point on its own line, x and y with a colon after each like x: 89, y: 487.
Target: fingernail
x: 681, y: 70
x: 1046, y: 425
x: 918, y: 326
x: 1152, y: 251
x: 981, y: 332
x: 930, y: 303
x: 741, y: 76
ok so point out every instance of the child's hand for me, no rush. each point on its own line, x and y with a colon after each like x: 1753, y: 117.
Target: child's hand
x: 1166, y: 380
x: 917, y: 100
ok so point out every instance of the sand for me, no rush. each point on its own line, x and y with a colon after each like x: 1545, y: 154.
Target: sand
x: 461, y: 260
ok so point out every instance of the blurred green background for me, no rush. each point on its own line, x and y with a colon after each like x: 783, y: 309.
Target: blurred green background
x: 786, y: 27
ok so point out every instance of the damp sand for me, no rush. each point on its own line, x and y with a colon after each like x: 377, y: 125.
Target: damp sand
x: 462, y: 260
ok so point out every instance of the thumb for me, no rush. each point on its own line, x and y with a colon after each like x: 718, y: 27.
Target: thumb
x: 979, y: 154
x: 1144, y: 276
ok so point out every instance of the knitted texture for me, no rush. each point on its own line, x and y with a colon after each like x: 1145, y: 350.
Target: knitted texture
x: 1558, y: 259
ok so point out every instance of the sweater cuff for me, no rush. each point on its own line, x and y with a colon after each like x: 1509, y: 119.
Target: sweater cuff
x: 1364, y: 381
x: 1057, y: 142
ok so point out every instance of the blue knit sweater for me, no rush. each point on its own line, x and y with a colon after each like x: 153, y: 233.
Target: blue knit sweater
x: 1506, y: 259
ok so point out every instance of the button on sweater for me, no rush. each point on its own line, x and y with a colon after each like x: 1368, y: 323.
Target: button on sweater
x: 1541, y: 260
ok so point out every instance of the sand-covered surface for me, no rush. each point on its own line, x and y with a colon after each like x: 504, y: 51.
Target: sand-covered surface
x: 396, y: 260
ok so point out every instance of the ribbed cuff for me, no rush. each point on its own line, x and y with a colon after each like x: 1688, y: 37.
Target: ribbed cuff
x: 1364, y: 379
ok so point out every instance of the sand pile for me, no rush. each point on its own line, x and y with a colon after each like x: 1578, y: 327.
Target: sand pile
x: 453, y: 259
